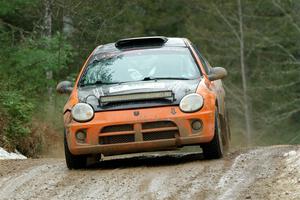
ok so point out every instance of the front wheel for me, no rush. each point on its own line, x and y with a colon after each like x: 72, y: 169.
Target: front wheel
x: 214, y: 148
x: 74, y: 161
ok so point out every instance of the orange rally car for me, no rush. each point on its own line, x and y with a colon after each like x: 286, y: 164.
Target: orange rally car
x: 144, y: 94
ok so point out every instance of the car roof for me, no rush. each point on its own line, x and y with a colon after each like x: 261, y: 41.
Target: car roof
x: 144, y: 42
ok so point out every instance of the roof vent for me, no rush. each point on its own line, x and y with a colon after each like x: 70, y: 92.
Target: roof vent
x: 141, y: 42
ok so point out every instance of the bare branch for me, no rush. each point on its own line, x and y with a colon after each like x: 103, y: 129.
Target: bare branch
x: 287, y: 15
x: 227, y: 22
x: 284, y: 116
x: 277, y: 87
x: 13, y: 27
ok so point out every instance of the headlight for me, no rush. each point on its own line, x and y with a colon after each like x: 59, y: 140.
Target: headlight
x: 191, y: 103
x: 82, y: 112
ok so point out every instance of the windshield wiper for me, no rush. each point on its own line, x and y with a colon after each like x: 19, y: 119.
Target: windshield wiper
x: 150, y: 78
x: 98, y: 83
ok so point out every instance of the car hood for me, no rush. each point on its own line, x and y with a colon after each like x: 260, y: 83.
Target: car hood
x: 180, y: 88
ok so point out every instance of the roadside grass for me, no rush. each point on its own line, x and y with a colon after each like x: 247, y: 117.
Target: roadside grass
x: 34, y: 132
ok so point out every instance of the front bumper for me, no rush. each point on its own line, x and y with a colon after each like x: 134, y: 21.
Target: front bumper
x: 141, y: 130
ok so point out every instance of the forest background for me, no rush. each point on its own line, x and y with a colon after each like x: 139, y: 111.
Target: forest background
x: 45, y: 41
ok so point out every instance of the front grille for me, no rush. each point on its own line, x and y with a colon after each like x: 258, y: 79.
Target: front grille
x: 147, y: 131
x: 158, y: 124
x: 117, y: 128
x: 116, y: 139
x: 159, y: 135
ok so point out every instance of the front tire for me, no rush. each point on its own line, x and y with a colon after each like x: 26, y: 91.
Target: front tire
x: 214, y: 149
x: 74, y: 161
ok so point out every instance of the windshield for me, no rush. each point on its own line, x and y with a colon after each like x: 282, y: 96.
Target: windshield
x: 138, y: 65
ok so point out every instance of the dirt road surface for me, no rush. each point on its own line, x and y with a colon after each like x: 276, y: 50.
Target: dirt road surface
x: 260, y: 173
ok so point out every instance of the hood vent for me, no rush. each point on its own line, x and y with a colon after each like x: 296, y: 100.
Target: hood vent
x: 141, y: 42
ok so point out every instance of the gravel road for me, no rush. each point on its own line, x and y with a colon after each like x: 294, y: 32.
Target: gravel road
x: 259, y: 173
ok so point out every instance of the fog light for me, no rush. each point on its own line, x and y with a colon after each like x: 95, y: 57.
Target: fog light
x: 196, y: 125
x: 81, y: 135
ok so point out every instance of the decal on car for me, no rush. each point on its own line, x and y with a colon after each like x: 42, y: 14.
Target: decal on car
x: 121, y: 88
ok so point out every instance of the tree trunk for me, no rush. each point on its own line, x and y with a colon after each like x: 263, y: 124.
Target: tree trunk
x: 47, y: 29
x: 243, y: 72
x: 47, y: 18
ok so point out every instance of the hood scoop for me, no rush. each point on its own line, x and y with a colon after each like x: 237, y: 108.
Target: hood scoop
x: 140, y: 96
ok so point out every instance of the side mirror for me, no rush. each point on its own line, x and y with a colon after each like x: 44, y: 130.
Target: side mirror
x: 64, y: 87
x: 217, y: 73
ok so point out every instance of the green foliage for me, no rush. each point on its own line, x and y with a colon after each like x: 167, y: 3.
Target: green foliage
x: 26, y: 56
x: 11, y: 7
x: 24, y: 82
x: 17, y: 111
x: 29, y: 62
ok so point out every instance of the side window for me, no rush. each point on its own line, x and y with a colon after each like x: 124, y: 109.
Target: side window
x: 204, y: 62
x: 207, y: 64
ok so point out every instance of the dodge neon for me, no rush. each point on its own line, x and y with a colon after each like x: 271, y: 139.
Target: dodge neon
x: 144, y: 94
